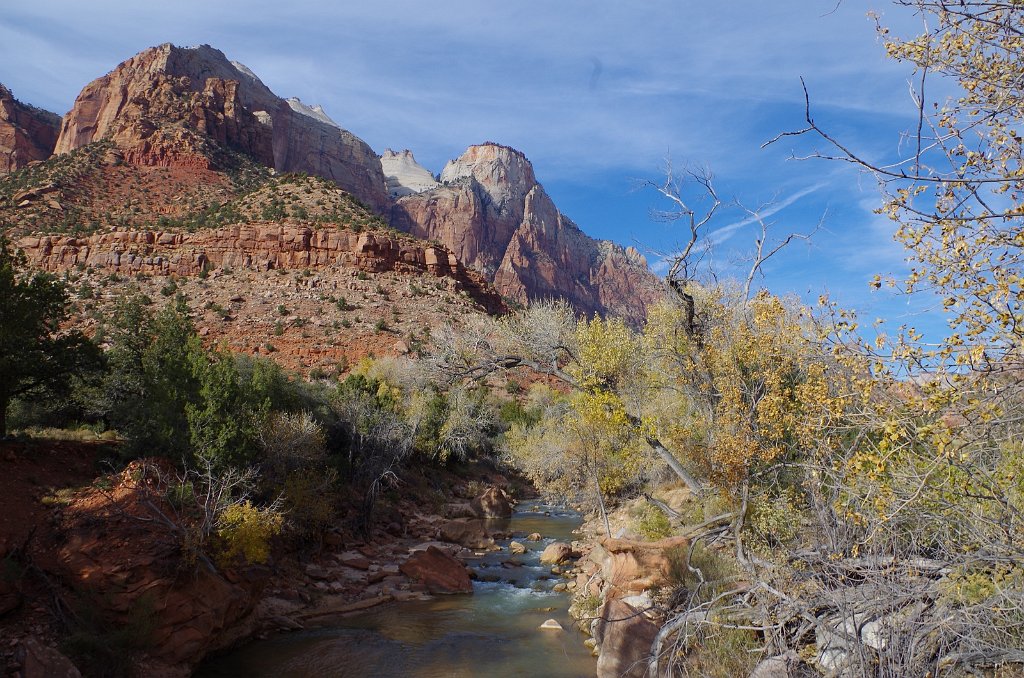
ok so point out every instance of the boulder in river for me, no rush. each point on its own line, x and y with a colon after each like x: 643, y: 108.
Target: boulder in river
x: 438, y: 571
x: 517, y: 548
x: 492, y: 503
x: 555, y: 553
x: 552, y: 625
x: 468, y: 532
x: 534, y: 536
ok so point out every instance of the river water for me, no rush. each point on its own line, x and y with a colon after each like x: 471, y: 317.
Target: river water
x: 493, y: 632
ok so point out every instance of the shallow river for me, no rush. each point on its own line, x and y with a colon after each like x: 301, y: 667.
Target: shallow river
x: 493, y: 632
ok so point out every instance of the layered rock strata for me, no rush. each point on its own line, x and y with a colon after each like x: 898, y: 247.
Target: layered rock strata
x: 494, y: 215
x: 27, y: 134
x: 254, y: 246
x: 166, y: 102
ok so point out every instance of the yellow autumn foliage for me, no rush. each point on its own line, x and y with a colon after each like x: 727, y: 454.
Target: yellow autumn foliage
x: 245, y: 530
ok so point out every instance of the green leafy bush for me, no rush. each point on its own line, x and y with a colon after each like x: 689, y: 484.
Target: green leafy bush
x: 652, y: 523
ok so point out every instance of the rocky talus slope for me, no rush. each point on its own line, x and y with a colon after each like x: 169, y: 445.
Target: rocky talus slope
x: 493, y: 214
x: 27, y: 134
x: 166, y: 104
x: 313, y: 299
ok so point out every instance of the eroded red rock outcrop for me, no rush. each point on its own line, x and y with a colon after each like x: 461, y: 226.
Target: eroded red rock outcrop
x: 162, y: 105
x: 625, y: 635
x: 113, y: 552
x: 630, y: 567
x: 254, y: 246
x: 27, y: 133
x: 494, y: 215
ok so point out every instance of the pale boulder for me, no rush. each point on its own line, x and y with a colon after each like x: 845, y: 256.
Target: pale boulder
x: 556, y: 553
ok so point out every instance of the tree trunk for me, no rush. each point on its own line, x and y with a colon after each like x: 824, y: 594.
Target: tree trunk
x: 737, y: 527
x: 695, y: 485
x: 600, y: 502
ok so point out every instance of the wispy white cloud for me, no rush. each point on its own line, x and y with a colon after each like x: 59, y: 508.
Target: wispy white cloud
x: 720, y: 235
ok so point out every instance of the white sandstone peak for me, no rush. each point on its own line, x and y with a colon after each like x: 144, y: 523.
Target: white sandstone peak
x: 403, y: 175
x: 316, y: 112
x: 245, y: 70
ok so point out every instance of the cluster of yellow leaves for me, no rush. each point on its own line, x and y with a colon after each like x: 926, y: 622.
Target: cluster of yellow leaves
x: 609, y: 353
x: 966, y: 244
x: 610, y: 369
x: 740, y: 379
x: 245, y: 530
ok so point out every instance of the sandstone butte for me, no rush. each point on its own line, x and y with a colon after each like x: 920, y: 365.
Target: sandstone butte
x: 492, y: 213
x: 27, y: 134
x: 141, y: 103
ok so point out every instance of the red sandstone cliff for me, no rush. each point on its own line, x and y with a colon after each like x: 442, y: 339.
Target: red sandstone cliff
x: 253, y: 246
x: 162, y: 106
x: 26, y: 133
x: 491, y: 212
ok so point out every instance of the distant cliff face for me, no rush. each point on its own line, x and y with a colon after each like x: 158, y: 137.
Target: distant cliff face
x: 26, y: 133
x: 176, y: 108
x: 495, y: 217
x: 165, y: 103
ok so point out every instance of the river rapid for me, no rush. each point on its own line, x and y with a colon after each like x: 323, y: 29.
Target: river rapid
x: 493, y: 632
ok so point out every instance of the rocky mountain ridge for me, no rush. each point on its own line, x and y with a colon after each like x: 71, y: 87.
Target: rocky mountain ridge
x: 404, y: 175
x: 163, y: 103
x: 27, y: 133
x: 259, y: 247
x: 490, y: 210
x: 187, y: 110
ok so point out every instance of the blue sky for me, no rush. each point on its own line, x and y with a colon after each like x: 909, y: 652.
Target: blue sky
x: 597, y: 94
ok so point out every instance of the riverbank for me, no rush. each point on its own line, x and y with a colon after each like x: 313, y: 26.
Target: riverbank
x: 91, y: 573
x: 621, y: 584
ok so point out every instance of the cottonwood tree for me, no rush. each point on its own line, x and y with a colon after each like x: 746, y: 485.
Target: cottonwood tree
x: 913, y: 467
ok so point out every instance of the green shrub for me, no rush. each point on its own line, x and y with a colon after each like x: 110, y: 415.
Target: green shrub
x: 774, y: 520
x: 652, y: 523
x: 722, y: 652
x: 181, y: 495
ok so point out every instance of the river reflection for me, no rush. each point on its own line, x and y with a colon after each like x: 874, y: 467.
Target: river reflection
x: 493, y: 632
